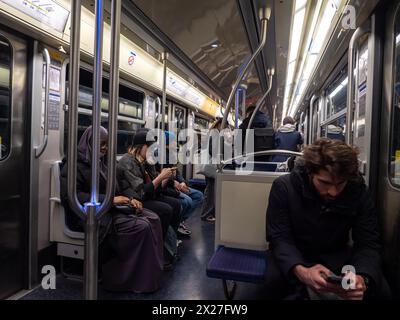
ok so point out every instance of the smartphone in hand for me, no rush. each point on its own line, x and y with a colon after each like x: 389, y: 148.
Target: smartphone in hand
x: 333, y: 278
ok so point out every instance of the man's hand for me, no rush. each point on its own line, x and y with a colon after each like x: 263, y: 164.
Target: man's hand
x: 353, y: 294
x: 313, y: 277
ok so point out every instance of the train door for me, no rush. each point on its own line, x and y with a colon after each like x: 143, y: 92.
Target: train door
x: 363, y: 98
x: 389, y: 162
x: 14, y: 169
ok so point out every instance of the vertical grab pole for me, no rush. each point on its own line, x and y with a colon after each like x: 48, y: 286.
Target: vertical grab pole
x: 73, y: 107
x: 164, y: 101
x: 353, y: 46
x: 91, y: 234
x: 265, y: 14
x: 271, y: 73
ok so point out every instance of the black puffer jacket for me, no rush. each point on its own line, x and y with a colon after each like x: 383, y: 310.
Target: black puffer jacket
x: 302, y: 229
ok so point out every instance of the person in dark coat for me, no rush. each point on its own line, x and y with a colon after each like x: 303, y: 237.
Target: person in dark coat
x: 261, y: 120
x: 287, y: 138
x: 138, y: 179
x: 134, y: 236
x: 309, y: 218
x: 263, y: 134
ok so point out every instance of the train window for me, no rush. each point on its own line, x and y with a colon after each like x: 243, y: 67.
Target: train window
x: 200, y: 123
x: 395, y: 137
x: 335, y: 130
x: 5, y: 97
x: 336, y: 95
x: 126, y: 131
x: 130, y: 101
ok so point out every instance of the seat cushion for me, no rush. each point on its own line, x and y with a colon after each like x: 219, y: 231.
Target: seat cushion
x: 237, y: 264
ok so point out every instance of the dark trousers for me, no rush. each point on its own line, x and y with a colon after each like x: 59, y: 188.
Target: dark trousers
x: 280, y: 288
x: 168, y: 209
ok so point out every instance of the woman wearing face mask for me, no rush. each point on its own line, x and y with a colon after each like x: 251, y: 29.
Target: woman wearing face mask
x: 134, y: 235
x: 139, y: 180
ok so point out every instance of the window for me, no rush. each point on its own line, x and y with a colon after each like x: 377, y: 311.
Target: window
x: 126, y: 131
x: 394, y: 161
x: 5, y: 97
x: 130, y: 101
x: 336, y: 95
x: 336, y: 130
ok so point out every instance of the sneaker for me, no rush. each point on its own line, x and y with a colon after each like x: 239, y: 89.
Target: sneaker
x: 184, y: 227
x: 183, y: 232
x: 210, y: 219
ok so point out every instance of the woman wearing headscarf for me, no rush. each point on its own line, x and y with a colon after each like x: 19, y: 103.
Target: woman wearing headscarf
x: 134, y: 234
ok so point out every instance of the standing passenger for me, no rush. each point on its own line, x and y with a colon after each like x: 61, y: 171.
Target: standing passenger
x: 135, y: 238
x: 287, y: 138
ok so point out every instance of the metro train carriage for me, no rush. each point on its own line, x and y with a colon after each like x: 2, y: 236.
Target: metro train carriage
x: 88, y: 88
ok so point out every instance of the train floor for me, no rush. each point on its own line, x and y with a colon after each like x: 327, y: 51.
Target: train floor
x: 187, y: 281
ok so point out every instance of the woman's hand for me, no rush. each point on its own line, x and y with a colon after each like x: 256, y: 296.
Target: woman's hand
x: 121, y: 200
x: 137, y: 205
x: 166, y: 173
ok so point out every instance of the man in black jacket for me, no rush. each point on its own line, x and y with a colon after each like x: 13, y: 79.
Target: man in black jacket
x: 310, y: 215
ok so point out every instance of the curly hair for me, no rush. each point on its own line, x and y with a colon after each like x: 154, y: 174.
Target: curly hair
x: 335, y: 156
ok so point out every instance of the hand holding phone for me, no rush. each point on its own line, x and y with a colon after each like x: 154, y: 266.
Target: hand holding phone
x: 333, y: 278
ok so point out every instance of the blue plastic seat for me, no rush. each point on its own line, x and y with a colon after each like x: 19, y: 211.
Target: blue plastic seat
x: 237, y: 265
x: 198, y: 184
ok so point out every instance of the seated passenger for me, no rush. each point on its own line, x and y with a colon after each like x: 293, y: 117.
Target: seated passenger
x: 136, y: 239
x: 139, y: 180
x: 309, y: 218
x: 190, y: 198
x: 287, y: 138
x: 335, y: 133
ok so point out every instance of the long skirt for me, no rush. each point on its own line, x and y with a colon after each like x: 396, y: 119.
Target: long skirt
x: 137, y: 263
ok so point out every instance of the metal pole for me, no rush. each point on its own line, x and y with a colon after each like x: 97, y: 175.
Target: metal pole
x: 97, y: 95
x: 40, y: 149
x: 164, y: 101
x: 311, y: 128
x: 353, y: 46
x: 91, y: 252
x: 265, y: 14
x: 237, y: 106
x: 73, y: 106
x: 113, y: 105
x: 91, y: 232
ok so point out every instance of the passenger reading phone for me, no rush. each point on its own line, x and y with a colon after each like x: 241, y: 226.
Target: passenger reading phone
x: 309, y: 218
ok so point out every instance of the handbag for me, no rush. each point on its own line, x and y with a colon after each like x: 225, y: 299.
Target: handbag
x: 209, y: 170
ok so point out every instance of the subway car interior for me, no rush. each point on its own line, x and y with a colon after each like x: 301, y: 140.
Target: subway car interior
x: 77, y: 76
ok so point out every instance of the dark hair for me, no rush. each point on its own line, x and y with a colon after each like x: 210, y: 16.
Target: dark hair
x: 250, y: 109
x: 335, y: 156
x: 288, y: 120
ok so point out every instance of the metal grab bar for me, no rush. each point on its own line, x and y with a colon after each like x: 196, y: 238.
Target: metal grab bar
x: 264, y: 153
x: 40, y: 148
x: 350, y: 92
x: 265, y: 15
x: 311, y: 128
x: 271, y: 73
x: 93, y: 211
x: 158, y: 120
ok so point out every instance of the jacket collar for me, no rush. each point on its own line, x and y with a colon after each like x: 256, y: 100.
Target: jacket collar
x: 348, y: 198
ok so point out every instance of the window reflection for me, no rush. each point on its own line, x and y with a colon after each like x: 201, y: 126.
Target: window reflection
x: 5, y: 97
x: 395, y: 143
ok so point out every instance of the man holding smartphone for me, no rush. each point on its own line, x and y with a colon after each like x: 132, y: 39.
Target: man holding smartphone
x: 310, y: 216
